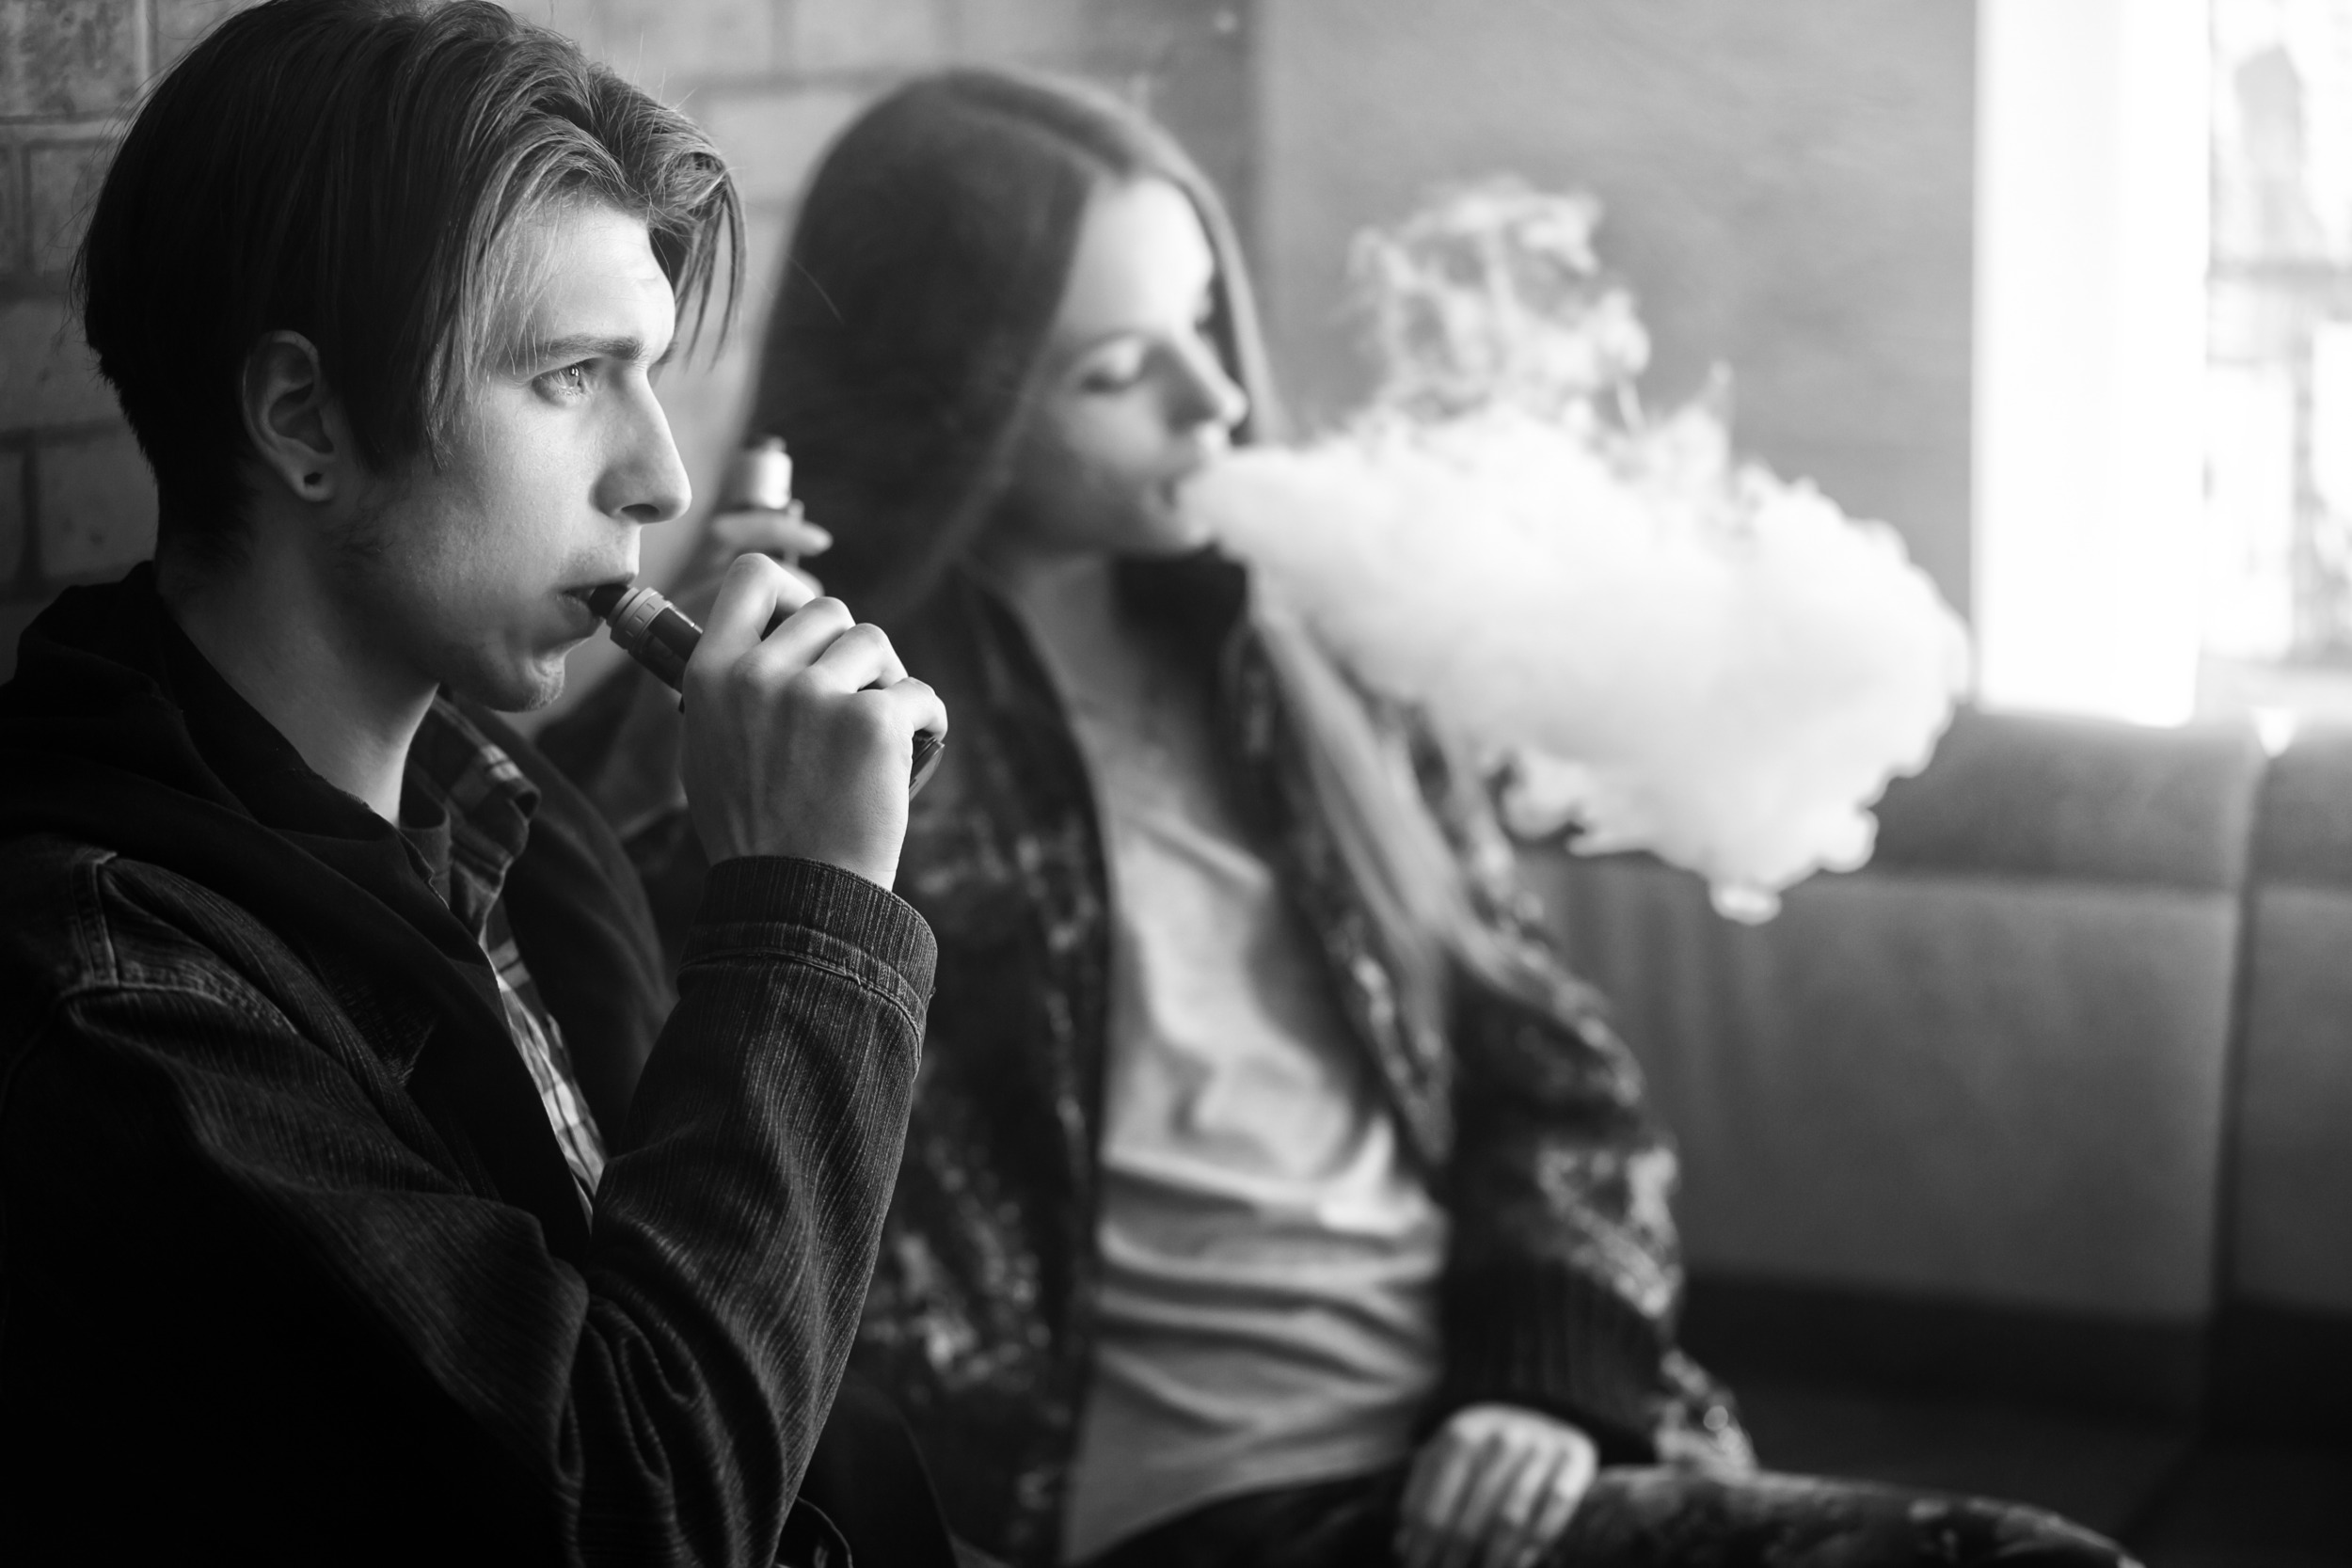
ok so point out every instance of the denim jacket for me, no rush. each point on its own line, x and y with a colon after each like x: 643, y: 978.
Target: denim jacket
x: 291, y: 1265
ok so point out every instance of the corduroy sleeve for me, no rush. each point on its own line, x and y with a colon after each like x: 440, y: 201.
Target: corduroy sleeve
x: 258, y: 1306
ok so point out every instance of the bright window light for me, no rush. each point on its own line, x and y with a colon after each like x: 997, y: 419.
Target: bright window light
x: 2092, y: 265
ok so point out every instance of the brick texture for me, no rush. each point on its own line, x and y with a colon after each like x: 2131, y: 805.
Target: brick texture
x: 179, y: 24
x: 772, y: 80
x: 96, y: 505
x: 662, y: 45
x: 65, y: 57
x: 869, y: 35
x: 76, y: 501
x: 49, y: 378
x: 64, y: 182
x: 772, y: 139
x: 12, y: 255
x: 582, y: 21
x: 1021, y: 31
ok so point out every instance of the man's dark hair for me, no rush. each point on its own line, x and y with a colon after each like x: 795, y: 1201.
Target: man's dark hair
x: 354, y: 170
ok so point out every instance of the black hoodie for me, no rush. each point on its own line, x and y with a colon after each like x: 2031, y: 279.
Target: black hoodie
x: 291, y: 1267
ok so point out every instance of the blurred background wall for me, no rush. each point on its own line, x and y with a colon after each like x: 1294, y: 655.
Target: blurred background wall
x: 1788, y: 191
x: 1788, y: 184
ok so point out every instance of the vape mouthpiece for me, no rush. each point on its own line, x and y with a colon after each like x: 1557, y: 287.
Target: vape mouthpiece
x: 658, y: 635
x: 649, y: 629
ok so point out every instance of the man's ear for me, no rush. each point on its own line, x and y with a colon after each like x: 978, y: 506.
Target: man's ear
x: 293, y: 420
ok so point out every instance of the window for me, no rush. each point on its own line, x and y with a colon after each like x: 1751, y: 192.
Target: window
x: 2091, y: 263
x: 2277, y: 556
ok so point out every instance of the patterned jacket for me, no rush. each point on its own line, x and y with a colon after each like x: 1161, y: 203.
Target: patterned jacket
x: 1563, y: 1281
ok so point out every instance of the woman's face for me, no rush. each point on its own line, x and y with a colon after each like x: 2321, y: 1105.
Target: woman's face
x: 1133, y: 398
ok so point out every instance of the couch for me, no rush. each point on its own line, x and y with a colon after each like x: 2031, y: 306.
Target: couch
x: 2020, y: 1160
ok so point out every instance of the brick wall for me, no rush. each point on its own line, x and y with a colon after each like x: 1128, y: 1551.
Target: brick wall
x: 772, y: 80
x: 75, y: 502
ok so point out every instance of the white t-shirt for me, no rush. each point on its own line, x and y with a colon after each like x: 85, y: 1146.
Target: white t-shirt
x: 1268, y: 1311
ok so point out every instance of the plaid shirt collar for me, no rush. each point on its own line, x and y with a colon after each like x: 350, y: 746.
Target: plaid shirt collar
x: 466, y: 813
x: 466, y: 808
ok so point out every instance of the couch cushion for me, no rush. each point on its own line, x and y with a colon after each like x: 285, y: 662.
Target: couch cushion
x: 2292, y: 1196
x: 2077, y: 800
x: 1909, y: 1347
x: 2284, y: 1361
x: 1990, y: 1067
x: 1993, y: 1089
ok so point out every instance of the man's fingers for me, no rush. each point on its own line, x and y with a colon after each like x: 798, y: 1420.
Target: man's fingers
x: 751, y: 593
x: 916, y: 707
x: 798, y: 641
x: 859, y: 657
x: 811, y: 588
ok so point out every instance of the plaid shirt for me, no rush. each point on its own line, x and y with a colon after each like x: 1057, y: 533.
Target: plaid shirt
x: 467, y: 809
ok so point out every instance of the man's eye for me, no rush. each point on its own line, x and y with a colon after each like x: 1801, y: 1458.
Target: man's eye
x: 569, y: 382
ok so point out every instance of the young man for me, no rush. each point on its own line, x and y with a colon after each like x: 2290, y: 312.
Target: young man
x: 339, y: 1222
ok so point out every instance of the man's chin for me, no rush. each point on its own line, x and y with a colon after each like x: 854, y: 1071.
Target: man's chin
x: 522, y: 690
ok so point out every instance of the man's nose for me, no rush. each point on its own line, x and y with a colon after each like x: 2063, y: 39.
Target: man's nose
x: 645, y: 482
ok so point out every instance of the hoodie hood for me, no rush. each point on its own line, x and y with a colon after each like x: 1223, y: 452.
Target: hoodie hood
x: 90, y: 688
x: 100, y: 745
x: 100, y: 731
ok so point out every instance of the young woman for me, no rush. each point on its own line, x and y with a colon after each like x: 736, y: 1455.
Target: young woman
x: 1271, y: 1194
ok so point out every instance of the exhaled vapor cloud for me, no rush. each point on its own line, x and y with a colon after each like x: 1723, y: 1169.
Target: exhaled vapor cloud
x: 1667, y: 649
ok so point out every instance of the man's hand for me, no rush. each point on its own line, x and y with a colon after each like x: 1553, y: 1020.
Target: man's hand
x: 1495, y: 1486
x: 798, y: 743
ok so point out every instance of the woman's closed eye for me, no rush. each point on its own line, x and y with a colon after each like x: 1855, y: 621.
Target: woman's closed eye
x: 1116, y: 368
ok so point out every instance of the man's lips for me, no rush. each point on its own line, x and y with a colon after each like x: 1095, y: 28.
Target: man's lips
x: 597, y: 598
x: 579, y: 622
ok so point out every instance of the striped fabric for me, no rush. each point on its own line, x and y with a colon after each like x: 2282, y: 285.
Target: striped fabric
x: 487, y: 803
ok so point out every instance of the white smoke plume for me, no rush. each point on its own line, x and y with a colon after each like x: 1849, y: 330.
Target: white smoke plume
x: 1659, y: 647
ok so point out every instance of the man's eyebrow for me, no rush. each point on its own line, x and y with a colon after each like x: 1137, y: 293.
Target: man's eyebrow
x: 587, y: 345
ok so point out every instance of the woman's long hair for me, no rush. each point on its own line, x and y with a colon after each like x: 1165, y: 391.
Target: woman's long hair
x: 923, y: 278
x: 900, y: 362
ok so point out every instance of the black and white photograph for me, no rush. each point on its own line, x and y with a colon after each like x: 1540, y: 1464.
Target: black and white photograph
x: 1176, y: 783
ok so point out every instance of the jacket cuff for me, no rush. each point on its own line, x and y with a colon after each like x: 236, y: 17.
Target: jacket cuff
x: 807, y: 910
x: 1548, y: 1338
